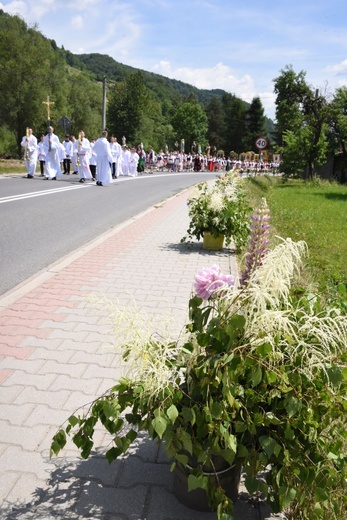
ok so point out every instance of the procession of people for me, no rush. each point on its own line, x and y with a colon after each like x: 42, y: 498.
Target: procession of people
x: 104, y: 159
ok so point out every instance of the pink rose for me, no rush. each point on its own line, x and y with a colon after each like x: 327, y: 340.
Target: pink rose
x: 209, y: 280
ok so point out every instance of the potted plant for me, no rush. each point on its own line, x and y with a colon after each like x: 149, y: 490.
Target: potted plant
x: 258, y: 381
x: 219, y: 211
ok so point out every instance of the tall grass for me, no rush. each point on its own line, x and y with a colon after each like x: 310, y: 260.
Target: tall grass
x: 313, y: 212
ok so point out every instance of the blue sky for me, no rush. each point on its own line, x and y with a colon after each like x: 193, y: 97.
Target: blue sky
x: 238, y: 46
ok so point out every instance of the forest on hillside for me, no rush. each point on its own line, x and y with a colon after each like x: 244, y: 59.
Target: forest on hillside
x: 68, y: 89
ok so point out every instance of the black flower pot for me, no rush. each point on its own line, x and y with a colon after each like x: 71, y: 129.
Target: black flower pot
x: 229, y: 478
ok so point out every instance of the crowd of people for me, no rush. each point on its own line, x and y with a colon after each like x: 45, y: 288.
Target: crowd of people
x: 105, y: 159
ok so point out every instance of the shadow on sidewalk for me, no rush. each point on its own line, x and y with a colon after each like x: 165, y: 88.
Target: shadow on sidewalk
x: 187, y: 248
x: 135, y: 487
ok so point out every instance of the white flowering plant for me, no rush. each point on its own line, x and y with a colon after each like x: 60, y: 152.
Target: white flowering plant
x: 259, y: 379
x: 220, y: 209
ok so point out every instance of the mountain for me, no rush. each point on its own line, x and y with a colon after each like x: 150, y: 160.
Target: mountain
x: 161, y: 87
x: 102, y: 65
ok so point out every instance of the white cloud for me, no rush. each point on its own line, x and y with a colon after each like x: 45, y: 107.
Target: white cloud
x: 338, y: 68
x: 218, y: 76
x: 15, y: 7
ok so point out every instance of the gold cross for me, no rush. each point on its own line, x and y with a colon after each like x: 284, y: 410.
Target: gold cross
x: 48, y: 103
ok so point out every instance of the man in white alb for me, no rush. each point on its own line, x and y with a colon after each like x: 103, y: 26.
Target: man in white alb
x: 52, y: 158
x: 103, y: 160
x: 29, y: 143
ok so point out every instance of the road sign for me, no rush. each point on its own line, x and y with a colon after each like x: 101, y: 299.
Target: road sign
x: 64, y: 122
x: 261, y: 143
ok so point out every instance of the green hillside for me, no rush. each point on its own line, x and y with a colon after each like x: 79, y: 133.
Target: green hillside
x: 143, y: 106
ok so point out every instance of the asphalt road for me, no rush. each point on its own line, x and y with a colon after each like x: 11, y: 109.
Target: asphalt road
x: 43, y: 221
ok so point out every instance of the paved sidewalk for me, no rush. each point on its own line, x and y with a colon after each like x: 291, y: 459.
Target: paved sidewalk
x: 55, y: 357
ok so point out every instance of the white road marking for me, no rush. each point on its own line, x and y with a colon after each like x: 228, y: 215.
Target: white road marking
x: 23, y: 196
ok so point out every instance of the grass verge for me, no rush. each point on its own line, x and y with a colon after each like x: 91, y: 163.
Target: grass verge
x: 313, y: 212
x: 12, y: 166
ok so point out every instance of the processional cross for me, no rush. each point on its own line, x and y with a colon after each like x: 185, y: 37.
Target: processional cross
x: 48, y: 104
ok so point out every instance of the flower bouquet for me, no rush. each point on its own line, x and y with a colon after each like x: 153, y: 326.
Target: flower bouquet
x: 220, y: 209
x: 258, y: 380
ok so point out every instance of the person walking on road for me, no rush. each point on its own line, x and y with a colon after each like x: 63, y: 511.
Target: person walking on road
x: 29, y: 143
x: 116, y: 151
x: 41, y: 154
x: 103, y: 160
x: 68, y: 147
x: 83, y: 154
x: 52, y: 157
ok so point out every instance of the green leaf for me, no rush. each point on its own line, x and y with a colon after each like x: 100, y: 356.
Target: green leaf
x: 264, y: 350
x: 256, y: 376
x: 271, y: 377
x: 58, y: 443
x: 112, y: 454
x: 235, y: 326
x: 289, y: 433
x: 230, y: 442
x: 186, y: 440
x: 217, y: 410
x: 172, y: 413
x: 252, y: 485
x: 335, y: 375
x: 242, y: 451
x: 159, y: 424
x: 183, y: 459
x: 73, y: 420
x: 270, y: 446
x: 188, y: 414
x: 131, y: 435
x: 287, y: 496
x: 197, y: 482
x: 292, y: 405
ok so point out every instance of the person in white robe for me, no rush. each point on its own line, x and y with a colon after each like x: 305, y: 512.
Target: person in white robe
x: 68, y: 147
x: 125, y: 160
x: 92, y: 160
x: 29, y: 143
x: 116, y: 151
x: 83, y: 155
x: 52, y: 150
x: 133, y: 162
x: 74, y: 154
x: 103, y: 160
x: 41, y: 154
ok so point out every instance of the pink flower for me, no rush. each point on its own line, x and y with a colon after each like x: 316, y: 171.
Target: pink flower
x: 209, y: 280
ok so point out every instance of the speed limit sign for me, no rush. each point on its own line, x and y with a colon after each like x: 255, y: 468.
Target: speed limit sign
x: 261, y: 143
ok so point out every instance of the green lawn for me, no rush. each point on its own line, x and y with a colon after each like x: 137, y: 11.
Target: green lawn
x: 314, y: 212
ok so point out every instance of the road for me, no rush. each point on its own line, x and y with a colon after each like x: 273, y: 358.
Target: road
x: 43, y: 221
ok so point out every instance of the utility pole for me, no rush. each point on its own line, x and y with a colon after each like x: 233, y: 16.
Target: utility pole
x: 103, y: 104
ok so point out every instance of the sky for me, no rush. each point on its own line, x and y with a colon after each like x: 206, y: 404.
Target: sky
x: 240, y: 47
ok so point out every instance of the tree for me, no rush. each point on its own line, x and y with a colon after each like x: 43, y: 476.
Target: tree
x: 290, y: 88
x: 127, y: 106
x: 338, y: 132
x: 190, y: 123
x: 316, y: 116
x: 216, y: 123
x: 235, y: 123
x: 338, y: 121
x: 255, y: 123
x: 24, y: 86
x: 303, y: 117
x: 84, y: 104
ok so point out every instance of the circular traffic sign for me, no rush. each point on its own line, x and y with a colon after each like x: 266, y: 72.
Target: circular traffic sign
x: 261, y: 143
